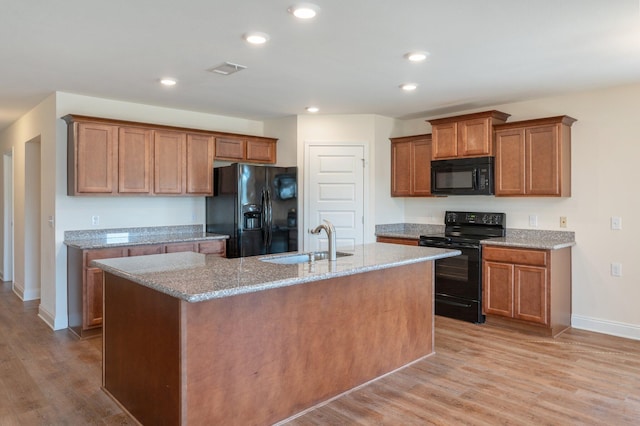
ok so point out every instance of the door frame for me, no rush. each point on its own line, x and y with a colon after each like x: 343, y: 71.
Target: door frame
x: 8, y: 202
x: 303, y: 228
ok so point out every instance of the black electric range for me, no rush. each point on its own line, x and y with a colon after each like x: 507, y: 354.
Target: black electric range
x: 458, y: 280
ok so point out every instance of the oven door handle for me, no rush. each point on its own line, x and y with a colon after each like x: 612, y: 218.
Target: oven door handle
x: 474, y: 178
x: 449, y: 302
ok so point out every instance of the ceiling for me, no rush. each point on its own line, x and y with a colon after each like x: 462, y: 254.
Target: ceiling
x: 349, y: 59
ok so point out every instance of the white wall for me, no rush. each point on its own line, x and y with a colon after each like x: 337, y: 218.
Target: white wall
x: 38, y: 124
x: 605, y: 171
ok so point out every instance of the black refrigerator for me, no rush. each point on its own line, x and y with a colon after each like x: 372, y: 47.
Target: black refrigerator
x: 256, y: 206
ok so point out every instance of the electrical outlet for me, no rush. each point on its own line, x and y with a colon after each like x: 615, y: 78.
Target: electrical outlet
x: 95, y: 220
x: 616, y: 223
x: 533, y: 221
x: 563, y: 221
x: 616, y: 269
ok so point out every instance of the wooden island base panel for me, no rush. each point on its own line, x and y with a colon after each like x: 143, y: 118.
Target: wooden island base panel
x: 262, y: 357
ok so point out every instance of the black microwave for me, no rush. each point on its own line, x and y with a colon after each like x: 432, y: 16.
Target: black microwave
x: 462, y: 176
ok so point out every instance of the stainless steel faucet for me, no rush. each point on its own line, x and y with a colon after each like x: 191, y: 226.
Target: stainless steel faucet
x: 331, y: 236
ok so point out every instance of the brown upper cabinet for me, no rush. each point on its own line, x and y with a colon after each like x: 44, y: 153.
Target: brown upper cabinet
x: 92, y: 158
x: 533, y: 157
x: 251, y: 149
x: 134, y: 160
x: 182, y: 163
x: 411, y: 166
x: 469, y: 135
x: 115, y: 157
x: 200, y: 155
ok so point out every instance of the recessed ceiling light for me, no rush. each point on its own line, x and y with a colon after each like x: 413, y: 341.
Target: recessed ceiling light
x: 256, y: 38
x: 408, y: 87
x: 304, y: 10
x: 416, y: 56
x: 312, y: 109
x: 168, y: 82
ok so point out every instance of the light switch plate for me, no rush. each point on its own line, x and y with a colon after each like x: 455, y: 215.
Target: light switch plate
x: 616, y: 269
x: 533, y: 221
x: 616, y: 223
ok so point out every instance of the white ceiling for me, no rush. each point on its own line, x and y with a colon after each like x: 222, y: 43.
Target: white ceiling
x: 348, y: 60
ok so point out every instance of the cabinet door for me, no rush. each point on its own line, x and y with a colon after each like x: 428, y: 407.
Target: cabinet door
x: 401, y: 169
x: 230, y: 149
x: 498, y: 289
x: 475, y: 137
x: 134, y: 160
x: 92, y: 301
x: 543, y: 165
x: 200, y: 164
x: 144, y: 250
x: 261, y: 151
x: 531, y: 293
x: 421, y: 168
x: 169, y: 162
x: 445, y: 141
x: 213, y: 247
x: 510, y: 162
x: 95, y: 158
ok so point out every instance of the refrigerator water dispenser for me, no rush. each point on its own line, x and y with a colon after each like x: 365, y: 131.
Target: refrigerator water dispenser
x: 252, y: 216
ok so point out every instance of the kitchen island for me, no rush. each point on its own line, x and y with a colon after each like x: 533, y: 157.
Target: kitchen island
x: 198, y: 339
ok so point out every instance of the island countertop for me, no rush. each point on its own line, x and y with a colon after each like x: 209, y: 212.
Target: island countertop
x: 195, y: 277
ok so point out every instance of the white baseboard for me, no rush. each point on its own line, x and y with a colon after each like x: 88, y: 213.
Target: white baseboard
x: 50, y: 319
x: 620, y: 329
x: 18, y: 289
x: 25, y: 295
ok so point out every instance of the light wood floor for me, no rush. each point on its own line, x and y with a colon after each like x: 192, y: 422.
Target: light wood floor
x: 479, y: 376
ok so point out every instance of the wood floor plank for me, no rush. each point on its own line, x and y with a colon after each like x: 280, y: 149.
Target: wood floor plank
x: 480, y: 375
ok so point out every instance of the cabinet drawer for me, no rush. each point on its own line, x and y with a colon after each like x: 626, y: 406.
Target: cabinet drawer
x: 102, y: 254
x: 213, y: 247
x: 144, y: 250
x: 515, y: 256
x: 394, y: 240
x: 180, y: 247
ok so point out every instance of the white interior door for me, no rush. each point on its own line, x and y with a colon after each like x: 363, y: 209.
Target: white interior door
x: 335, y: 192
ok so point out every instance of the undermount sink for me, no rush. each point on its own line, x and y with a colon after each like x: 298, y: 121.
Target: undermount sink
x: 292, y: 259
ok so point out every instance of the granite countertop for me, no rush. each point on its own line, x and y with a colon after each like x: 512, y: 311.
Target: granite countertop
x: 536, y: 239
x: 525, y: 238
x: 196, y: 277
x: 122, y: 237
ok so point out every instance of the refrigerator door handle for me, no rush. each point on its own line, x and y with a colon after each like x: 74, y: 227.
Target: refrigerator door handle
x: 269, y: 214
x: 263, y: 220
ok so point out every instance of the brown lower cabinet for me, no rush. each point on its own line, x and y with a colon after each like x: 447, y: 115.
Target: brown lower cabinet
x: 529, y: 288
x: 84, y: 283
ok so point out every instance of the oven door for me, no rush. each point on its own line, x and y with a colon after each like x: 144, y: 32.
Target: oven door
x: 458, y: 288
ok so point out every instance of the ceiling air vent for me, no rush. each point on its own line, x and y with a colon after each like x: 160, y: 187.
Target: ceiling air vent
x: 227, y: 68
